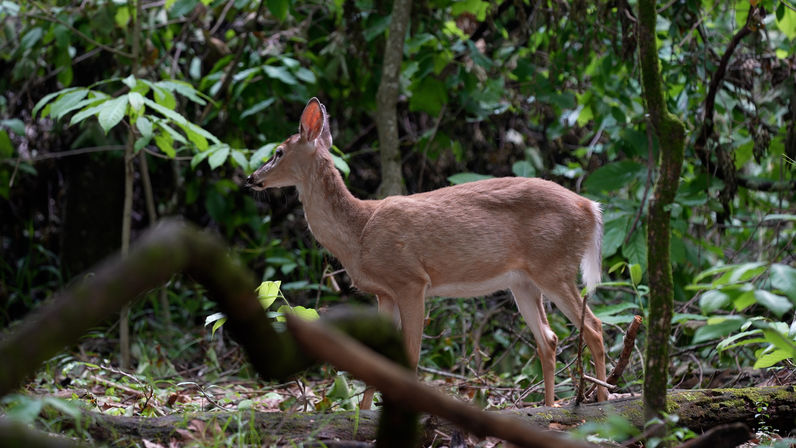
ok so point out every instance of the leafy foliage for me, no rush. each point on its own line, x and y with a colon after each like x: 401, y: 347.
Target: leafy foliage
x: 487, y: 89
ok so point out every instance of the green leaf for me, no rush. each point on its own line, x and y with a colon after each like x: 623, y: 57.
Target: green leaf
x: 717, y: 328
x: 112, y: 113
x: 136, y: 101
x: 195, y: 138
x: 787, y: 22
x: 239, y: 159
x: 26, y: 410
x: 428, y: 96
x: 16, y: 125
x: 87, y: 112
x: 213, y: 317
x: 144, y: 126
x: 713, y: 300
x: 635, y: 274
x: 184, y: 89
x: 122, y: 17
x: 165, y: 142
x: 281, y: 73
x: 305, y: 313
x: 744, y: 299
x: 730, y: 341
x: 278, y: 8
x: 261, y: 155
x: 523, y: 168
x: 180, y: 120
x: 257, y: 108
x: 31, y: 38
x: 42, y: 102
x: 741, y: 273
x: 130, y: 81
x: 777, y: 304
x: 783, y: 278
x: 306, y: 75
x: 73, y: 410
x: 217, y: 319
x: 198, y: 158
x: 341, y: 165
x: 268, y: 292
x: 778, y: 338
x: 218, y: 156
x: 340, y: 389
x: 635, y: 250
x: 478, y: 8
x: 67, y: 103
x: 769, y: 359
x: 613, y: 176
x: 462, y: 178
x: 614, y: 233
x: 6, y: 147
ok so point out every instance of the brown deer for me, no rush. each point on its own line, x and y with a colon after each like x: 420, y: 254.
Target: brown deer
x: 526, y: 235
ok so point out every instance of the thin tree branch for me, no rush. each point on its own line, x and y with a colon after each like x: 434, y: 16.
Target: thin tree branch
x: 79, y: 33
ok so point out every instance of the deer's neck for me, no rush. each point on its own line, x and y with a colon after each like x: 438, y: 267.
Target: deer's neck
x: 335, y: 217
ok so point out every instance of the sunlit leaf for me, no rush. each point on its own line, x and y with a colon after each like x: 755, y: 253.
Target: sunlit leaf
x: 112, y: 113
x: 218, y: 156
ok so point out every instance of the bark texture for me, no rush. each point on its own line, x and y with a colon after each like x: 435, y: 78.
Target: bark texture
x: 671, y: 138
x: 387, y: 100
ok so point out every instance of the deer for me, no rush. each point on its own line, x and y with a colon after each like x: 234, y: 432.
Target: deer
x: 527, y: 235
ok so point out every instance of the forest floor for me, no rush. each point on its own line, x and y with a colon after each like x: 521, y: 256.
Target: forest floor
x: 194, y: 374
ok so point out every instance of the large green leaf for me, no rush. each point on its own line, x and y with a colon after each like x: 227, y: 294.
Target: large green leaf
x: 281, y: 73
x: 428, y: 96
x: 279, y: 8
x: 614, y: 233
x: 218, y: 156
x: 718, y: 327
x: 112, y: 112
x: 268, y: 292
x: 771, y: 358
x: 786, y: 20
x: 777, y: 304
x: 613, y: 176
x: 258, y: 107
x: 67, y: 103
x: 635, y: 250
x: 783, y: 278
x: 6, y: 148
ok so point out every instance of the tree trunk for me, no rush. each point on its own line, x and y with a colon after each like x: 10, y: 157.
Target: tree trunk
x: 387, y: 99
x: 671, y: 137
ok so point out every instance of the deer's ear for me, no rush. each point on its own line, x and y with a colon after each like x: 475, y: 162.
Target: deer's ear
x: 312, y: 120
x: 325, y: 139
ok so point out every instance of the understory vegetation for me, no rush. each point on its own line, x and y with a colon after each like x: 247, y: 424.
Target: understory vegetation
x: 196, y: 94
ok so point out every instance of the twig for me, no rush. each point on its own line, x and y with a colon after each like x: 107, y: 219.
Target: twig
x: 581, y: 387
x: 443, y: 373
x: 624, y: 357
x: 627, y: 348
x: 732, y: 434
x: 79, y: 33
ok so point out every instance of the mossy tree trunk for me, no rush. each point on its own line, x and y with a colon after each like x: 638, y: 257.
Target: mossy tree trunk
x: 387, y: 100
x: 671, y: 138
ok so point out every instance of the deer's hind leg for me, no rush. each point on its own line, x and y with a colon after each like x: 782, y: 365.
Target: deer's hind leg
x: 529, y: 301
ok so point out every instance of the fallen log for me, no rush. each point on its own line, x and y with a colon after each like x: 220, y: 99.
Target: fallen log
x: 699, y: 410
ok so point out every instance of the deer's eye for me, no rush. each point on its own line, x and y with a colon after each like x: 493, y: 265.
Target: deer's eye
x: 278, y: 153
